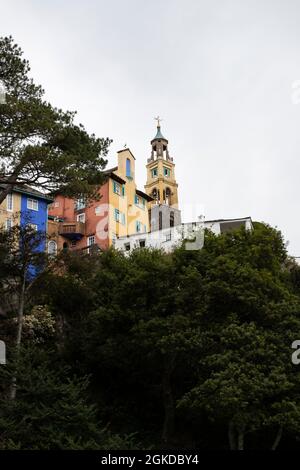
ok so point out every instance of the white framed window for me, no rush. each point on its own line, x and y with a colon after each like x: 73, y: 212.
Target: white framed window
x: 138, y: 226
x: 8, y: 224
x: 33, y: 227
x: 80, y: 204
x: 81, y: 217
x: 119, y: 217
x: 98, y: 210
x: 117, y: 188
x: 52, y: 248
x: 33, y: 204
x: 90, y: 241
x: 9, y: 202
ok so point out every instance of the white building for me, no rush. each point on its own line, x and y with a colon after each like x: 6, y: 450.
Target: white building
x: 169, y: 238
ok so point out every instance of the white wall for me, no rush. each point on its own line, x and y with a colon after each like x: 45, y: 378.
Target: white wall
x: 168, y: 239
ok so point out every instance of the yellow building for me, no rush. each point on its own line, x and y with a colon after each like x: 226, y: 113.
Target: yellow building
x: 10, y: 210
x: 121, y: 210
x: 132, y: 202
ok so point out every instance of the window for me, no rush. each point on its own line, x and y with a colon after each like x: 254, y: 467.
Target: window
x: 33, y: 227
x: 73, y: 243
x: 138, y: 226
x: 172, y: 219
x: 52, y: 248
x: 32, y: 204
x: 168, y: 237
x: 142, y: 243
x: 9, y: 202
x: 160, y: 220
x: 139, y: 201
x: 117, y: 188
x: 81, y: 217
x: 90, y: 242
x: 128, y: 167
x: 127, y: 246
x: 166, y: 171
x: 8, y: 224
x: 168, y: 196
x: 98, y: 210
x: 154, y: 172
x: 119, y: 217
x: 80, y: 204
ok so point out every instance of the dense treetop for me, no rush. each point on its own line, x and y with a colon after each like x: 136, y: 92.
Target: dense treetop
x: 188, y: 349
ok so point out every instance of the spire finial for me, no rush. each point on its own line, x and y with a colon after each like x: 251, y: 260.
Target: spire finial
x: 158, y: 119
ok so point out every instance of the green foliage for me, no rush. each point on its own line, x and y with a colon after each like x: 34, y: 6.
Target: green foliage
x: 41, y: 145
x: 180, y: 349
x: 51, y: 410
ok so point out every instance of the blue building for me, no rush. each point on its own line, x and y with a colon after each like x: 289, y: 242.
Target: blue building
x: 34, y: 211
x: 26, y: 206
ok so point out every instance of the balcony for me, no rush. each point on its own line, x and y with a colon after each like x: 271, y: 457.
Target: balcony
x: 72, y: 230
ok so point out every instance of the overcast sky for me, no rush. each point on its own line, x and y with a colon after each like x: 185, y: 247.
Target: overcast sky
x: 222, y: 74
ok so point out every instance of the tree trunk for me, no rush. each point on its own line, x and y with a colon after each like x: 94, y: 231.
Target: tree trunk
x: 277, y: 438
x: 240, y: 440
x: 13, y: 388
x: 60, y: 323
x: 169, y: 407
x: 231, y: 436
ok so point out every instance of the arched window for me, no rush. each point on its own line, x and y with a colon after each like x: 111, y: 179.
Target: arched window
x: 52, y: 248
x: 172, y: 219
x: 154, y: 194
x: 160, y: 220
x: 128, y: 167
x: 168, y: 196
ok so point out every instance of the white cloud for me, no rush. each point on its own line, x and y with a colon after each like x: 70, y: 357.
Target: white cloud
x: 219, y: 72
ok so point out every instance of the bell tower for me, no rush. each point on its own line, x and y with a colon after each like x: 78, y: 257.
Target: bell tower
x: 161, y: 183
